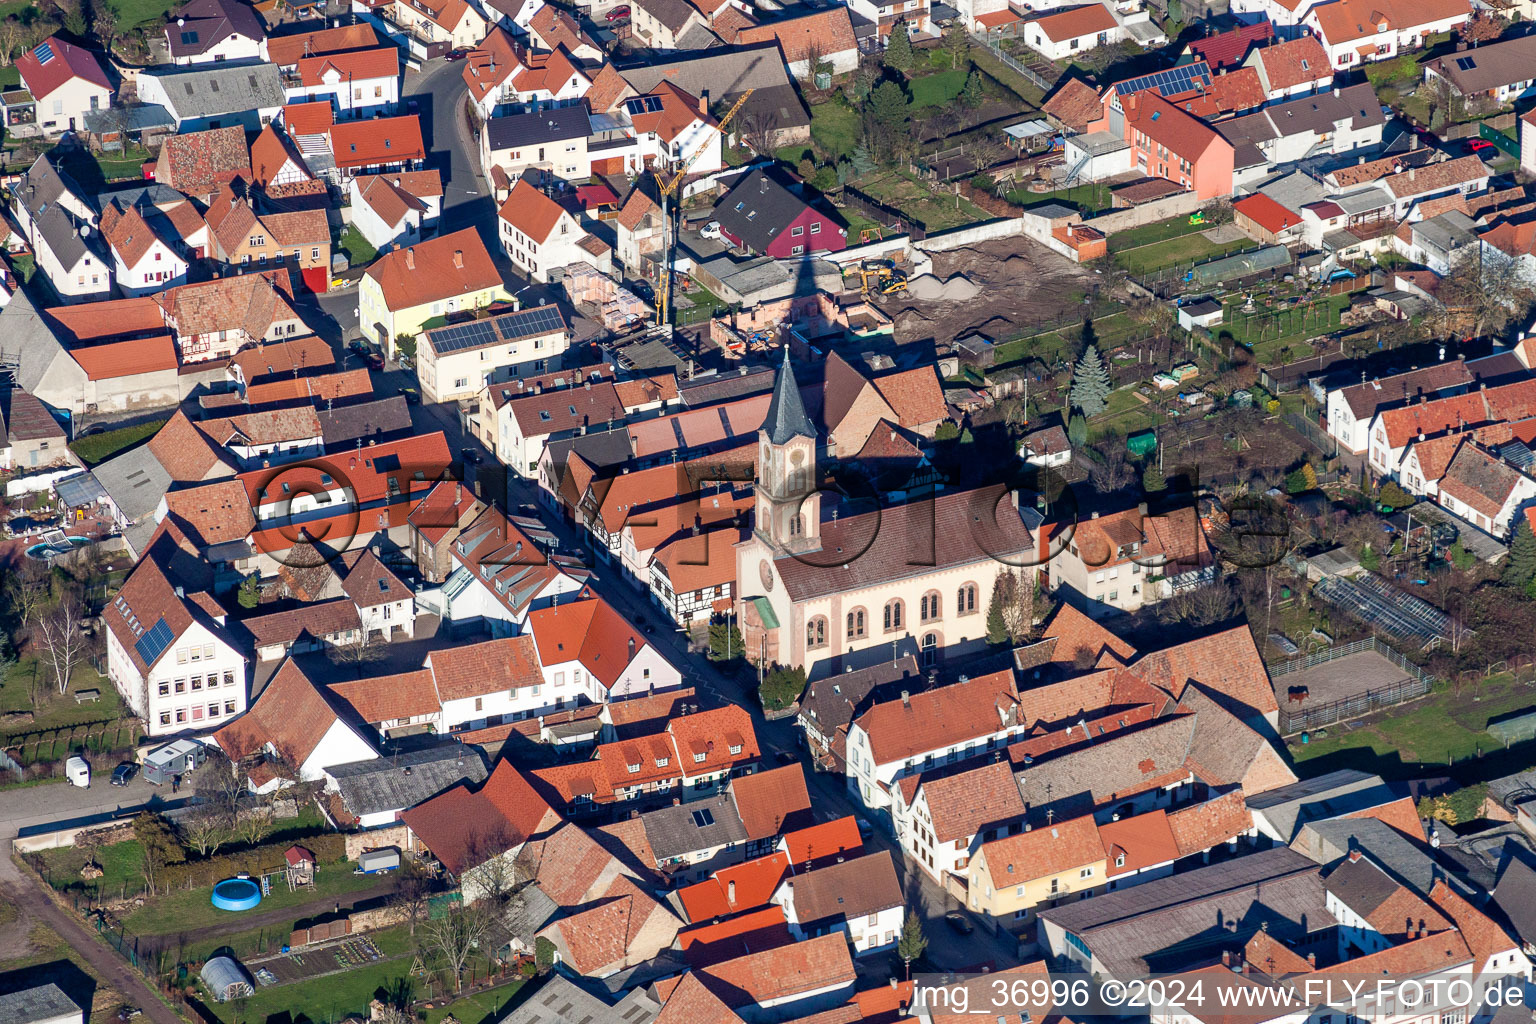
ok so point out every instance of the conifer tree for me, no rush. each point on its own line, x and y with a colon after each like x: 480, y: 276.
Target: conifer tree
x: 1090, y: 383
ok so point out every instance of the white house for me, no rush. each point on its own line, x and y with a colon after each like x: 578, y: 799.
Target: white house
x: 169, y: 654
x: 1291, y: 68
x: 898, y: 738
x: 490, y: 683
x: 541, y: 236
x: 453, y: 364
x: 1351, y: 410
x: 504, y: 77
x: 1354, y: 32
x: 1485, y: 490
x: 671, y: 126
x: 293, y: 733
x: 143, y: 262
x: 385, y: 604
x: 499, y: 576
x: 66, y: 81
x: 859, y: 898
x: 210, y: 31
x: 1062, y: 34
x: 587, y: 647
x: 359, y: 83
x: 396, y: 209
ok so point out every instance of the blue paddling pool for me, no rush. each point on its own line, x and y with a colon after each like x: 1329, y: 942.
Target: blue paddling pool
x: 236, y: 894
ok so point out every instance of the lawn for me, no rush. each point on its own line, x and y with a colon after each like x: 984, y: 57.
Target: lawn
x: 131, y: 13
x: 1125, y: 413
x: 10, y: 77
x: 937, y: 89
x: 59, y: 712
x: 98, y: 448
x: 1427, y: 736
x: 936, y: 211
x: 835, y: 128
x: 359, y: 251
x: 122, y: 866
x: 1022, y: 87
x: 332, y: 998
x: 1157, y: 231
x: 1174, y: 252
x: 481, y: 1007
x: 1089, y: 198
x: 190, y: 909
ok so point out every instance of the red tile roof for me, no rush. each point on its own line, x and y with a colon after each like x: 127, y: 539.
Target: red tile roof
x: 290, y: 49
x: 1266, y: 213
x: 1200, y: 827
x: 1227, y: 664
x: 214, y: 513
x: 589, y: 630
x: 1042, y: 851
x: 1074, y: 22
x: 65, y: 62
x: 1138, y: 842
x: 769, y: 802
x: 712, y: 942
x: 494, y: 666
x: 383, y: 62
x: 1074, y: 631
x: 383, y: 699
x: 311, y: 118
x: 380, y: 141
x: 531, y: 211
x: 1483, y: 936
x: 1227, y: 49
x: 809, y: 847
x: 438, y: 268
x: 127, y: 358
x: 290, y: 716
x: 829, y: 32
x: 1238, y: 89
x: 462, y: 827
x: 1283, y: 63
x: 1401, y: 814
x: 773, y: 975
x: 736, y: 888
x: 197, y: 163
x: 941, y: 717
x: 1183, y: 134
x: 714, y: 733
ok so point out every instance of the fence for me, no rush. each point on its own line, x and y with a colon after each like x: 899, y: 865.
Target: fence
x: 1315, y: 435
x: 1416, y: 685
x: 888, y: 216
x: 997, y: 51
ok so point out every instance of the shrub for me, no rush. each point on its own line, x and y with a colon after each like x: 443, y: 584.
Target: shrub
x: 781, y: 687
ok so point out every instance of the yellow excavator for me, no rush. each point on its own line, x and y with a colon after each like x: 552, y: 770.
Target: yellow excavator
x: 882, y: 277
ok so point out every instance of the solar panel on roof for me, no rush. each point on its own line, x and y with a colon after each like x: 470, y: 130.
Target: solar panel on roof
x: 43, y: 52
x: 1171, y: 82
x: 153, y: 644
x: 1466, y: 63
x: 529, y: 322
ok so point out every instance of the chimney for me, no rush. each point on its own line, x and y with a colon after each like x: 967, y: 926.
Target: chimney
x: 1226, y: 958
x: 676, y: 802
x: 410, y: 258
x: 906, y: 698
x: 458, y: 258
x: 1335, y: 92
x: 704, y: 103
x: 1354, y: 855
x: 1312, y: 959
x: 631, y: 648
x: 730, y: 892
x: 1413, y: 172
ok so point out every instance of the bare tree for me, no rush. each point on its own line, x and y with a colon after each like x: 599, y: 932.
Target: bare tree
x: 11, y: 35
x: 1017, y: 604
x: 1200, y: 606
x: 456, y: 935
x: 756, y: 128
x: 60, y: 640
x: 413, y: 891
x: 253, y: 824
x: 364, y: 647
x: 205, y: 829
x: 104, y: 21
x: 221, y: 783
x: 492, y: 873
x: 29, y: 588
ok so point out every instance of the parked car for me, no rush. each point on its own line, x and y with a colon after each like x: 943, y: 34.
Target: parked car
x: 1477, y: 146
x: 124, y: 773
x: 470, y: 455
x: 412, y: 397
x: 375, y: 361
x: 959, y: 922
x: 619, y: 13
x: 457, y: 53
x: 784, y: 757
x: 710, y: 230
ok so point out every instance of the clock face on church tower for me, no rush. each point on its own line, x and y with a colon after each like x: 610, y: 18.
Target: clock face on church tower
x: 765, y: 572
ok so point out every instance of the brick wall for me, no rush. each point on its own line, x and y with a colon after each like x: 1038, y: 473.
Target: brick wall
x: 390, y: 835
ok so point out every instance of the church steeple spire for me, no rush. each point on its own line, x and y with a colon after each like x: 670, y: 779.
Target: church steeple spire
x: 786, y: 417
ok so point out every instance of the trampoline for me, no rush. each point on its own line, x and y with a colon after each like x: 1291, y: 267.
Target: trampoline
x: 236, y: 894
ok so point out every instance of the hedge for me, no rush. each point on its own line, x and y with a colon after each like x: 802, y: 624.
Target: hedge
x: 328, y: 848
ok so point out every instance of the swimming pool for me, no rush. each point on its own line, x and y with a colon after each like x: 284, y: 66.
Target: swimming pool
x: 236, y: 894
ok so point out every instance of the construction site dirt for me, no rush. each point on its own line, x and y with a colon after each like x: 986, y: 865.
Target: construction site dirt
x: 999, y: 289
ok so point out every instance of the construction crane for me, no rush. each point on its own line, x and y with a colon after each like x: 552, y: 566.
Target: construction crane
x: 669, y: 236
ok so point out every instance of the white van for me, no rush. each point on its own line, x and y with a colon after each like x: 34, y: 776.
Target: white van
x: 78, y: 771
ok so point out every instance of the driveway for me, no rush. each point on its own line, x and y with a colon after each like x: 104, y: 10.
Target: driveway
x: 30, y: 809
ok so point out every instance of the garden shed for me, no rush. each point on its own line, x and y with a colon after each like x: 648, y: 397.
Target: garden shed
x: 226, y: 979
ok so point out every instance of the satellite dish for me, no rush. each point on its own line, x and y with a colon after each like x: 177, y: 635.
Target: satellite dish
x: 85, y: 230
x: 181, y: 22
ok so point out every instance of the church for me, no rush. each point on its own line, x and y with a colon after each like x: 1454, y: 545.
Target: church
x: 844, y: 592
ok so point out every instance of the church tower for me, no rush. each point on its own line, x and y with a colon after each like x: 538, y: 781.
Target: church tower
x: 788, y: 503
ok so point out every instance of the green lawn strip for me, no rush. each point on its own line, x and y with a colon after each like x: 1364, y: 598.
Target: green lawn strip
x: 480, y: 1007
x: 122, y: 866
x: 1026, y: 90
x: 1269, y: 331
x: 98, y: 448
x: 10, y: 77
x: 835, y: 128
x: 936, y: 89
x: 60, y: 711
x: 1123, y: 414
x: 131, y: 13
x: 360, y: 252
x: 1090, y: 198
x: 191, y: 909
x: 1443, y: 728
x: 321, y: 1000
x: 1157, y: 231
x: 1175, y: 252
